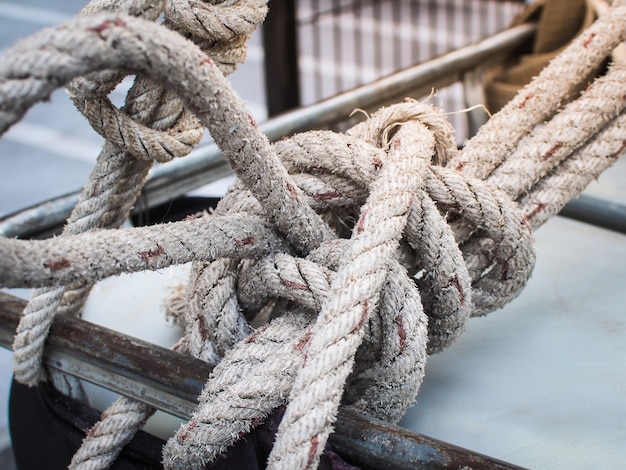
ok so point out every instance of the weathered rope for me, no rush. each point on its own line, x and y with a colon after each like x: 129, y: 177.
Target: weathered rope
x: 117, y: 426
x: 117, y: 171
x: 349, y: 325
x: 541, y: 98
x: 547, y: 146
x: 146, y: 103
x: 227, y: 48
x: 118, y: 181
x: 339, y: 329
x: 100, y: 254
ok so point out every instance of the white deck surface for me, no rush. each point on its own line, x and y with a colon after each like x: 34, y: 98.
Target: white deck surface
x: 542, y: 382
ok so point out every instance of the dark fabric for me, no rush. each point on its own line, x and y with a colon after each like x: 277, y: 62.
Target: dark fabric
x: 47, y: 429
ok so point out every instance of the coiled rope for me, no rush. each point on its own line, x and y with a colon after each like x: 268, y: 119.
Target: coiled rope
x: 379, y: 243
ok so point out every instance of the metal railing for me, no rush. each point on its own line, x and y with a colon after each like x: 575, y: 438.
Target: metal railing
x: 171, y: 382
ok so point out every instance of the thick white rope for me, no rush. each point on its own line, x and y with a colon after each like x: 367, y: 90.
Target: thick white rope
x: 147, y: 102
x: 119, y: 206
x: 338, y: 331
x: 541, y: 98
x: 227, y: 48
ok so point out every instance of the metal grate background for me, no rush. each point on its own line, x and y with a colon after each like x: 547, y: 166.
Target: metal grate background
x: 346, y: 43
x: 342, y: 44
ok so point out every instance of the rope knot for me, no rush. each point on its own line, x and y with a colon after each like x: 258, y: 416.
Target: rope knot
x: 366, y: 251
x: 362, y: 294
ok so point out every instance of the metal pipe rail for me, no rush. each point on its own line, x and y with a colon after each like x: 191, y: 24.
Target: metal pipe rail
x: 171, y: 382
x: 206, y: 164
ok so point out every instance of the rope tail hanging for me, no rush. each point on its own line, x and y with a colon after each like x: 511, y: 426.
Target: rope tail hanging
x: 372, y: 247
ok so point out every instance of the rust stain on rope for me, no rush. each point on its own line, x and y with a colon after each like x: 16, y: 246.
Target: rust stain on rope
x: 589, y: 39
x: 555, y: 148
x: 99, y: 29
x: 149, y: 254
x: 525, y: 100
x: 295, y: 285
x: 57, y: 265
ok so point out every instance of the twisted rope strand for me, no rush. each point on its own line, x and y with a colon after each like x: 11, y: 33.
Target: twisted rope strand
x: 541, y: 98
x: 100, y: 254
x: 387, y: 387
x: 118, y: 424
x: 41, y: 92
x: 336, y: 335
x: 168, y: 115
x: 547, y: 197
x: 253, y: 379
x: 124, y: 180
x: 547, y: 146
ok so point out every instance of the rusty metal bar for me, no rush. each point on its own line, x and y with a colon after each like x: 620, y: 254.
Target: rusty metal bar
x: 118, y: 362
x: 207, y: 164
x: 171, y: 382
x: 375, y: 445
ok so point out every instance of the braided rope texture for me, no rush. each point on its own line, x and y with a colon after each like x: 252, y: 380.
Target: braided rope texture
x: 367, y: 250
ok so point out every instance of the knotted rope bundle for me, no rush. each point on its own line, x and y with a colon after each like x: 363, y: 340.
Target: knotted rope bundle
x: 154, y: 125
x: 434, y: 235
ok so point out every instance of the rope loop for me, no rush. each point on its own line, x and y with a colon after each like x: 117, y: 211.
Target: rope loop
x: 220, y: 29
